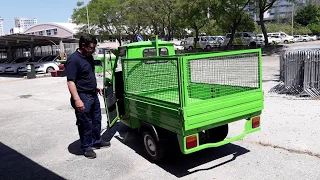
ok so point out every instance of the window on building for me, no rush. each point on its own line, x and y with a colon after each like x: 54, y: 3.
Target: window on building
x: 41, y: 33
x: 48, y: 32
x: 55, y: 31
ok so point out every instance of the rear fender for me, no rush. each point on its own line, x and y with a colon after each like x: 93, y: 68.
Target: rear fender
x: 147, y: 126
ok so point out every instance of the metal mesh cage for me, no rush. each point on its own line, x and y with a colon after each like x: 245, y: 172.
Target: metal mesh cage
x: 155, y: 79
x: 219, y: 76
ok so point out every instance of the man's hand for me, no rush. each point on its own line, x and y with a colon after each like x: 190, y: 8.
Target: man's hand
x: 79, y: 105
x: 99, y: 90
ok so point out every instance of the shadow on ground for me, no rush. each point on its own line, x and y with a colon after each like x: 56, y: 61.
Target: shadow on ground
x: 74, y: 148
x: 12, y: 75
x: 14, y: 165
x: 178, y: 164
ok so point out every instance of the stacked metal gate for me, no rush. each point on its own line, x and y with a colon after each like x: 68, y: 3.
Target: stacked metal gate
x: 299, y: 72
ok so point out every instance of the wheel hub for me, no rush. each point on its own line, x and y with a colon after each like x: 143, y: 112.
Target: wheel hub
x: 150, y: 145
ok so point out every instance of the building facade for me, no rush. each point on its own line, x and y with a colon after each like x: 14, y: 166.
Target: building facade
x: 284, y: 9
x: 24, y: 23
x: 281, y: 9
x: 1, y: 27
x: 67, y: 30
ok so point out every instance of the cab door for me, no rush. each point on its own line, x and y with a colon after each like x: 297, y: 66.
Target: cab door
x: 110, y: 99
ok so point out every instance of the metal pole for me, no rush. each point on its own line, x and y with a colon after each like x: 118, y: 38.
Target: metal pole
x: 292, y: 17
x: 88, y: 17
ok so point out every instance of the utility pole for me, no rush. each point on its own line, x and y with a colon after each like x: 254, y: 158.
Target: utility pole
x: 88, y: 16
x: 292, y: 17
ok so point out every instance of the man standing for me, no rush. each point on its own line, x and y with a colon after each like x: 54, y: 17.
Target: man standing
x: 83, y: 88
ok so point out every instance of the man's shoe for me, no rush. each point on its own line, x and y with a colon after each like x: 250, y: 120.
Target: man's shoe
x: 102, y: 144
x: 90, y: 154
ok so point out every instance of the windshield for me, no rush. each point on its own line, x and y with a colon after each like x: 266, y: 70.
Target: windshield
x: 48, y: 59
x: 209, y: 38
x: 36, y: 59
x: 21, y: 60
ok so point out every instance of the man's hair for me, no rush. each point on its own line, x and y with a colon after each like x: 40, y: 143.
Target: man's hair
x: 87, y: 39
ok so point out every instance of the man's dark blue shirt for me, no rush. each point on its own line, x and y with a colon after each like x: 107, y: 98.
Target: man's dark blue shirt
x: 80, y: 69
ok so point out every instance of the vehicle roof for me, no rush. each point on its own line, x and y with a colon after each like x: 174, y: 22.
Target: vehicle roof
x: 146, y: 43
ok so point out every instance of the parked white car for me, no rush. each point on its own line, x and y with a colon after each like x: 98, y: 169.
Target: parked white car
x: 307, y: 38
x: 178, y: 47
x: 44, y: 65
x: 314, y: 38
x: 275, y: 39
x: 285, y: 37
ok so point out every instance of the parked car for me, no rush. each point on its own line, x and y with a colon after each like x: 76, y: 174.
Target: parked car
x: 220, y: 39
x: 47, y: 65
x: 285, y: 37
x: 205, y: 42
x: 178, y: 47
x: 3, y: 63
x: 244, y: 39
x: 306, y: 38
x: 297, y: 38
x: 275, y: 39
x: 314, y: 38
x: 44, y: 65
x: 16, y: 64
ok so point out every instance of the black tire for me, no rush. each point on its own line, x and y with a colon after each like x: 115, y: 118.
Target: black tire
x: 286, y: 41
x: 208, y: 47
x: 49, y: 69
x: 218, y: 134
x: 154, y: 149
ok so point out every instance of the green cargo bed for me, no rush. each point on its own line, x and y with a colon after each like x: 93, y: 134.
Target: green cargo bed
x: 205, y: 90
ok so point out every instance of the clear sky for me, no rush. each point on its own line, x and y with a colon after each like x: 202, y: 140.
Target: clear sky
x: 43, y: 10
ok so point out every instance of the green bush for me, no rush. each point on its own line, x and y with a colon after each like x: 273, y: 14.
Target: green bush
x: 315, y: 28
x: 287, y: 28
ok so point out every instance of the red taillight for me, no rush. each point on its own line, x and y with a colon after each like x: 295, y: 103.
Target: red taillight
x: 191, y: 142
x: 256, y: 122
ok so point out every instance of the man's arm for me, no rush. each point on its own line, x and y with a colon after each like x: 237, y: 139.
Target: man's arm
x: 73, y: 90
x: 71, y: 73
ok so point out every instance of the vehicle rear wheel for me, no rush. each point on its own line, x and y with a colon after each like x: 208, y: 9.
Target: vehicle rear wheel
x: 49, y: 69
x: 219, y: 133
x: 153, y: 148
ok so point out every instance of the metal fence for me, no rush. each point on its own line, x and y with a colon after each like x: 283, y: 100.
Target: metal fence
x: 299, y: 72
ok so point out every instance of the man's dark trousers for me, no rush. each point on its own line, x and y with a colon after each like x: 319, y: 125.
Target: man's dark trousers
x: 89, y: 121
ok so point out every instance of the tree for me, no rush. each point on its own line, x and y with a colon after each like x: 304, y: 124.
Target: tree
x: 263, y: 6
x: 107, y: 17
x: 232, y: 15
x: 194, y: 13
x: 308, y: 15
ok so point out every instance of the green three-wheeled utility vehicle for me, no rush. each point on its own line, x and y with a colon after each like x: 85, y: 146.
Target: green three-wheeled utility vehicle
x: 190, y: 96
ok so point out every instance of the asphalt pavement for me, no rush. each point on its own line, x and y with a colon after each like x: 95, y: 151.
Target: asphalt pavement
x: 39, y: 140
